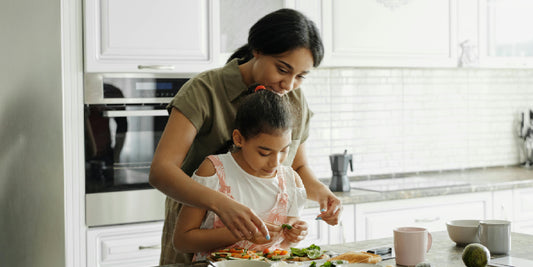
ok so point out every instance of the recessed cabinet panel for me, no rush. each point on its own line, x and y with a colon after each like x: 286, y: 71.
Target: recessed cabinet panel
x: 153, y: 29
x: 158, y: 35
x: 505, y: 33
x: 391, y: 33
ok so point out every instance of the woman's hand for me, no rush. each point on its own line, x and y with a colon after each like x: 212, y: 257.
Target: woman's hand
x: 242, y: 222
x: 297, y: 233
x: 330, y: 206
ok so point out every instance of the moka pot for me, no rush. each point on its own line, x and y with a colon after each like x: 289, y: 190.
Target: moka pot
x: 339, y: 167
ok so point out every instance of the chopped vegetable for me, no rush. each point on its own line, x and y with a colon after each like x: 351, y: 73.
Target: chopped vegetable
x: 286, y: 226
x: 313, y: 252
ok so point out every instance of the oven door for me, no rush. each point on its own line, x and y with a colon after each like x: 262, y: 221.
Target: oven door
x: 120, y: 141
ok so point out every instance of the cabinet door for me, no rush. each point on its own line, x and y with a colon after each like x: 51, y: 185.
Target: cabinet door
x: 378, y: 219
x: 344, y: 232
x: 505, y: 33
x: 317, y: 232
x: 523, y: 204
x: 157, y: 35
x: 390, y: 33
x: 125, y: 245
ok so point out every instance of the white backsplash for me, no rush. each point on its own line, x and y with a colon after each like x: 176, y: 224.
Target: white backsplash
x: 410, y: 120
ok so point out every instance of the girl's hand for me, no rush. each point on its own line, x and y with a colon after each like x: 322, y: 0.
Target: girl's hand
x: 297, y: 233
x: 274, y: 230
x: 330, y: 206
x: 242, y: 222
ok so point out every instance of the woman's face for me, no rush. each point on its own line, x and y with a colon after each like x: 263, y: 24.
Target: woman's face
x: 283, y: 72
x: 262, y: 154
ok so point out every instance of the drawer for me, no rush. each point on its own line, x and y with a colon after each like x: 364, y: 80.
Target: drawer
x: 124, y: 245
x: 378, y: 219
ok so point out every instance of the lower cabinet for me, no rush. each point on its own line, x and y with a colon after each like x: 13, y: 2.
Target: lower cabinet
x: 317, y: 232
x: 124, y: 245
x: 523, y: 211
x: 378, y: 219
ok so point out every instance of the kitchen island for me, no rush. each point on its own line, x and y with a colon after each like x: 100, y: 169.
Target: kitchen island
x: 443, y: 253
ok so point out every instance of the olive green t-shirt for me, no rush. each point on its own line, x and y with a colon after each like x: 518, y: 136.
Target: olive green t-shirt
x: 210, y: 101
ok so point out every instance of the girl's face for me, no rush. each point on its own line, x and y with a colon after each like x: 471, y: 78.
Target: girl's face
x: 283, y: 72
x: 262, y: 154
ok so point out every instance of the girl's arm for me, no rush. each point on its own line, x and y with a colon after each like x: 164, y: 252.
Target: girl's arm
x: 330, y: 205
x: 167, y: 176
x: 189, y: 238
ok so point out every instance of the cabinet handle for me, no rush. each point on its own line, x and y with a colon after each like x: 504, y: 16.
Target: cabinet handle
x: 155, y: 67
x: 158, y: 246
x: 427, y: 220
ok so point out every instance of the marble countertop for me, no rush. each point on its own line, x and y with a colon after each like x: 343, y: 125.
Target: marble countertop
x: 443, y: 253
x: 476, y: 180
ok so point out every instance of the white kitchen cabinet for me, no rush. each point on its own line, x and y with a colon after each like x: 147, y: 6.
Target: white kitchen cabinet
x: 505, y: 34
x: 317, y: 232
x: 378, y: 219
x: 150, y: 36
x: 523, y: 210
x: 502, y: 202
x: 124, y: 245
x: 390, y: 33
x: 234, y: 28
x: 343, y: 232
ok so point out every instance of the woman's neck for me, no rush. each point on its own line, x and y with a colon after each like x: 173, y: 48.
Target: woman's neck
x: 246, y: 72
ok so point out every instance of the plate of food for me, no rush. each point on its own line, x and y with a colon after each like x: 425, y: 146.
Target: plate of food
x: 236, y: 254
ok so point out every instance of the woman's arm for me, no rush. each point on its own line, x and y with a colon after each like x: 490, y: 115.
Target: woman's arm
x: 330, y: 205
x: 167, y: 176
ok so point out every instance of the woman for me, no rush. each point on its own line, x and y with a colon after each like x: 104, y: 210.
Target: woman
x: 282, y: 48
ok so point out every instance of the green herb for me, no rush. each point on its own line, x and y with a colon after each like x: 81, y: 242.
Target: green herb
x: 327, y: 264
x: 286, y: 226
x: 313, y: 264
x: 312, y: 252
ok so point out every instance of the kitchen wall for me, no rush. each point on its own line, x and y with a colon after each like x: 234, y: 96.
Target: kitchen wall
x: 409, y: 120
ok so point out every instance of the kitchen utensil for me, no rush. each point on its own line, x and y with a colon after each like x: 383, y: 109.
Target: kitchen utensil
x: 495, y: 235
x: 525, y: 132
x: 411, y: 245
x: 463, y: 232
x: 339, y: 166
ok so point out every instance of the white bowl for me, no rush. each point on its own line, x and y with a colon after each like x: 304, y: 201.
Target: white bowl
x: 463, y: 232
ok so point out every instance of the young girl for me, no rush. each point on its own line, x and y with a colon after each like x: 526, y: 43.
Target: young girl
x: 251, y: 174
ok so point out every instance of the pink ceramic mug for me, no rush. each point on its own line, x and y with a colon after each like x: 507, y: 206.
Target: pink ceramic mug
x: 411, y: 245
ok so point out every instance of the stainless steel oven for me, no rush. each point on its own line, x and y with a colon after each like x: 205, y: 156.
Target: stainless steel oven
x: 125, y: 115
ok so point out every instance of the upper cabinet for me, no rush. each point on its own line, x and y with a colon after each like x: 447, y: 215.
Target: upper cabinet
x: 505, y: 34
x: 192, y: 36
x: 390, y: 33
x: 150, y: 36
x: 238, y: 16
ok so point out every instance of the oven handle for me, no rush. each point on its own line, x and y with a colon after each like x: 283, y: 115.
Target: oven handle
x: 135, y: 113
